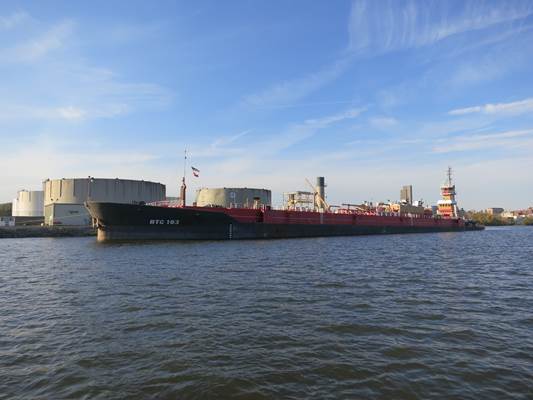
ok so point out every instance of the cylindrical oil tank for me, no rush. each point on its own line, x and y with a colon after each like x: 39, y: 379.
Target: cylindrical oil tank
x: 29, y: 203
x: 233, y: 197
x: 80, y: 190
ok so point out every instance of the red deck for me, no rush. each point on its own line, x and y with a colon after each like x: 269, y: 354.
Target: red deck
x: 269, y: 216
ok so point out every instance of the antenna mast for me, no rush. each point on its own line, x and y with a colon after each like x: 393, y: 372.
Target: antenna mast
x: 450, y: 176
x: 183, y: 188
x: 185, y: 163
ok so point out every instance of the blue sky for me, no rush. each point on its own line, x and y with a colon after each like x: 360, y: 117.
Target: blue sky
x: 371, y: 94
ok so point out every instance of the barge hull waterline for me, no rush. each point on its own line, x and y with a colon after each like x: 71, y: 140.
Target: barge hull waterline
x: 118, y: 222
x: 238, y: 232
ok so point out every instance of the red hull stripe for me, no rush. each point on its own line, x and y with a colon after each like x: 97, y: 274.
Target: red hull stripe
x: 247, y: 215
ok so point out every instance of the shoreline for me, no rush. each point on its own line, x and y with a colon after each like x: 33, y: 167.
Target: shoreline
x: 11, y: 232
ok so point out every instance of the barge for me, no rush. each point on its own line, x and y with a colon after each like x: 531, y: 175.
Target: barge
x: 171, y: 221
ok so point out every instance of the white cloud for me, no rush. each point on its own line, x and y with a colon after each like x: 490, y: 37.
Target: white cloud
x: 79, y: 93
x: 12, y: 20
x: 298, y: 132
x: 225, y: 140
x: 56, y: 155
x: 28, y: 112
x: 382, y: 26
x: 220, y: 147
x: 66, y: 113
x: 330, y: 119
x: 507, y: 140
x: 479, y: 71
x: 285, y: 93
x: 40, y: 46
x: 289, y: 136
x: 71, y: 112
x: 377, y: 27
x: 514, y: 108
x: 383, y: 122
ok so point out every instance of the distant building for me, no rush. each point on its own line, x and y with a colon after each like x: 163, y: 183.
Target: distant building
x: 406, y: 194
x: 494, y: 210
x: 7, y: 221
x: 64, y: 198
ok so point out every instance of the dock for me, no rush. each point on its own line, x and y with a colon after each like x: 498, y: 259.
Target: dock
x: 46, y: 231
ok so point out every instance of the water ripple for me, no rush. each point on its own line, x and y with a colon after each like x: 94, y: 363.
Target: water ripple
x: 404, y: 317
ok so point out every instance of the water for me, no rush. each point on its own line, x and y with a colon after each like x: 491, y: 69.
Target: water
x: 405, y: 316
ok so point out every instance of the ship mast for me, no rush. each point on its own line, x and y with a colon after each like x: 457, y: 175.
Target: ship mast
x: 183, y: 188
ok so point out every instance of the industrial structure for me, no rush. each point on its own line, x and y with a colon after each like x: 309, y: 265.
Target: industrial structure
x: 29, y: 203
x: 233, y: 197
x: 406, y: 194
x: 308, y: 201
x: 299, y: 201
x: 447, y: 206
x: 64, y: 198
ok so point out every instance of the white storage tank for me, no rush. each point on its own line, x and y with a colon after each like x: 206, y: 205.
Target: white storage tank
x: 233, y: 197
x: 64, y: 198
x: 29, y: 203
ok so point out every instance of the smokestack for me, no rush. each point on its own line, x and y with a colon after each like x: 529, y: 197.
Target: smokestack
x: 321, y: 190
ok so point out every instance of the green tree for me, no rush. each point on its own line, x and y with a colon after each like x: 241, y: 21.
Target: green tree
x: 528, y: 220
x: 5, y: 210
x: 489, y: 219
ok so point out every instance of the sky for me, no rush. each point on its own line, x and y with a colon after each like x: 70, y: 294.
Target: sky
x: 371, y: 94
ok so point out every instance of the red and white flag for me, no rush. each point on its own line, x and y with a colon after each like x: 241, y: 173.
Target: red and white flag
x: 195, y: 172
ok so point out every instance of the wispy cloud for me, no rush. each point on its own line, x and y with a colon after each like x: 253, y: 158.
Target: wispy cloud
x: 10, y: 112
x: 226, y: 140
x: 437, y: 129
x: 383, y: 122
x: 112, y: 99
x: 40, y: 161
x: 377, y: 27
x: 66, y: 113
x: 74, y: 91
x: 11, y: 21
x: 508, y: 139
x: 223, y: 146
x: 383, y: 26
x: 39, y: 46
x: 513, y: 108
x: 284, y: 94
x: 293, y: 134
x: 296, y: 133
x: 330, y: 119
x: 478, y: 71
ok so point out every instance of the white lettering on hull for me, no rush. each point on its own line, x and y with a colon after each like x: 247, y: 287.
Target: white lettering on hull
x: 164, y: 222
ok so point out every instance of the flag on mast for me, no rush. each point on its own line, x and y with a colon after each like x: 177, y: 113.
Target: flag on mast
x: 195, y: 172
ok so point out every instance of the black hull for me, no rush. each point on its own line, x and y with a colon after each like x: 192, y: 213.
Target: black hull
x: 137, y: 222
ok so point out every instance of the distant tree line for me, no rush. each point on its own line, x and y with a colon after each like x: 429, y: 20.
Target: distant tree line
x: 495, y: 220
x: 5, y: 210
x: 490, y: 219
x: 528, y: 221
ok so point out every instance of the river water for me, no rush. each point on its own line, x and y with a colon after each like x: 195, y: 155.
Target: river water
x: 446, y: 315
